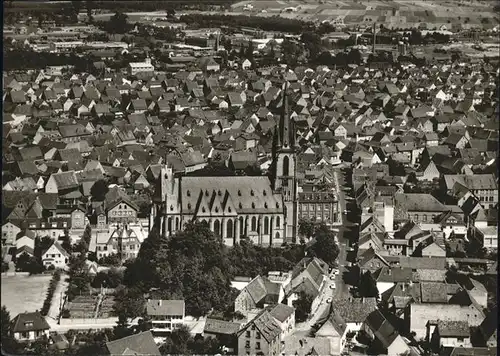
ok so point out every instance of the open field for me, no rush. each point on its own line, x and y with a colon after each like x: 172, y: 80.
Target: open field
x: 379, y: 10
x: 24, y: 293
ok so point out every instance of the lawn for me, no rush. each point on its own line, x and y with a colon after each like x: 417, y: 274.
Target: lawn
x: 24, y: 293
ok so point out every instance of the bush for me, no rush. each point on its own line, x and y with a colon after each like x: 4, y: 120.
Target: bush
x: 50, y: 293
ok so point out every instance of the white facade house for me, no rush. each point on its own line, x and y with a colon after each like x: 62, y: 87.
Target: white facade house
x: 29, y: 327
x: 137, y: 67
x: 166, y: 315
x: 55, y: 256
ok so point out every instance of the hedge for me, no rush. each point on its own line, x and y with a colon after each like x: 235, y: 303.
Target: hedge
x: 50, y: 293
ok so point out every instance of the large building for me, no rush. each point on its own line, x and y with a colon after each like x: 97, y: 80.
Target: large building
x: 262, y: 209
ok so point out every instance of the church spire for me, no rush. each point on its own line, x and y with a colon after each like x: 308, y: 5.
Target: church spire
x: 286, y: 134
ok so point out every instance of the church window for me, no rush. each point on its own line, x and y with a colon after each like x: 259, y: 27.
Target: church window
x: 176, y: 223
x: 242, y: 227
x: 286, y: 163
x: 277, y: 205
x: 170, y: 225
x: 266, y: 225
x: 265, y: 193
x: 240, y: 206
x: 189, y: 205
x: 217, y: 227
x: 265, y: 205
x: 253, y: 205
x: 171, y: 207
x: 278, y: 221
x: 229, y: 209
x: 229, y: 228
x: 188, y: 193
x: 203, y: 209
x: 254, y: 223
x: 251, y: 193
x: 277, y: 236
x: 216, y: 210
x: 239, y: 193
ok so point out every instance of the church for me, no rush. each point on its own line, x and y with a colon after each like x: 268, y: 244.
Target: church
x: 263, y: 210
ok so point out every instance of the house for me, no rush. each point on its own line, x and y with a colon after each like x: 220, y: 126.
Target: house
x: 59, y: 182
x: 29, y: 327
x: 285, y: 316
x: 354, y: 311
x: 262, y: 335
x: 55, y: 256
x: 257, y: 294
x: 25, y: 243
x: 224, y: 331
x: 423, y: 317
x: 334, y: 329
x: 377, y: 327
x: 9, y: 233
x: 309, y: 275
x: 124, y: 240
x: 483, y: 186
x: 141, y: 344
x: 166, y: 315
x: 489, y: 327
x: 452, y: 333
x: 489, y: 236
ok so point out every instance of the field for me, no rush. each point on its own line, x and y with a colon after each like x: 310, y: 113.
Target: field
x: 24, y: 293
x: 412, y: 11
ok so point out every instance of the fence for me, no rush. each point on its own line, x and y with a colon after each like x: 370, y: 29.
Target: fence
x: 88, y: 321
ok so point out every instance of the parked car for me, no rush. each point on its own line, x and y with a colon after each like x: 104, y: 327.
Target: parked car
x: 329, y: 300
x: 332, y: 286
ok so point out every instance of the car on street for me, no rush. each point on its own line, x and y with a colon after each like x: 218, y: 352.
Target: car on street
x: 332, y: 277
x: 329, y: 300
x: 332, y: 285
x: 350, y: 249
x: 335, y: 272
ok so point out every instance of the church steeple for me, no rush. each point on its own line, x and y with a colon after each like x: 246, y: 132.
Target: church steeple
x: 286, y: 130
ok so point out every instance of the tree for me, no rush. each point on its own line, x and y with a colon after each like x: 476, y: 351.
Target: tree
x: 312, y: 42
x: 129, y: 303
x: 177, y: 342
x: 121, y: 329
x: 249, y: 51
x: 99, y: 190
x: 118, y: 23
x: 306, y: 228
x: 302, y: 306
x: 89, y: 5
x: 27, y: 263
x: 66, y: 243
x: 5, y: 322
x: 367, y: 286
x: 324, y: 245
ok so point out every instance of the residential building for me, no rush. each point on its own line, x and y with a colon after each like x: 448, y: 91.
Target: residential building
x: 166, y: 315
x: 141, y: 344
x: 262, y: 335
x: 29, y: 327
x: 55, y: 256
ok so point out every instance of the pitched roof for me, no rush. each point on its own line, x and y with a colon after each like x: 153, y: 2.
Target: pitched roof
x: 137, y: 344
x: 24, y: 322
x: 281, y: 312
x: 215, y: 326
x: 165, y: 307
x: 354, y: 310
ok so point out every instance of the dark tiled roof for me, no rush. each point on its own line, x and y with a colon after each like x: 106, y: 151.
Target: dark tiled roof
x: 138, y: 344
